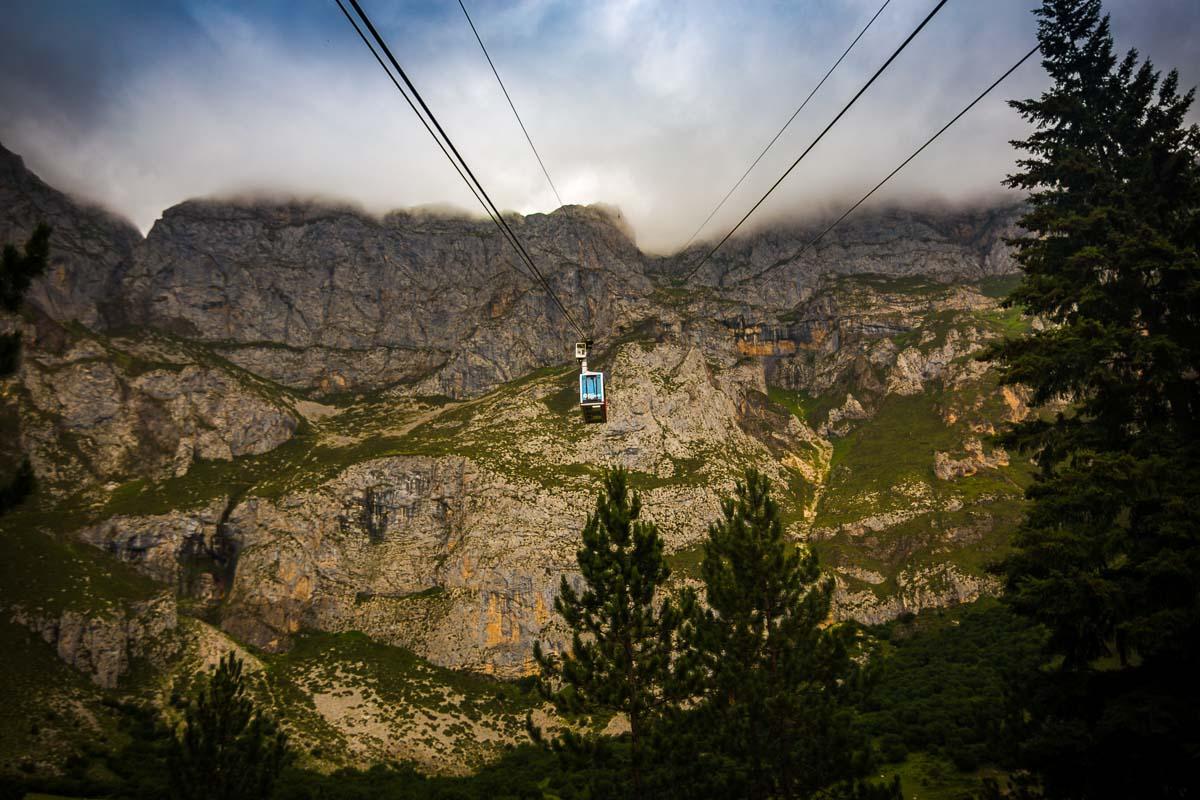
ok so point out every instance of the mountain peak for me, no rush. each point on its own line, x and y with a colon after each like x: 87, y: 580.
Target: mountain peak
x: 90, y: 247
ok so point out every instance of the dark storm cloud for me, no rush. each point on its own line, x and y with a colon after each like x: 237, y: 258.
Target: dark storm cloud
x: 653, y: 105
x: 67, y: 59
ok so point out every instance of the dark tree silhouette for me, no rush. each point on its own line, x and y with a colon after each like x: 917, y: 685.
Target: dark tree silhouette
x: 17, y: 272
x: 776, y: 685
x: 1108, y: 557
x: 620, y: 654
x: 226, y: 749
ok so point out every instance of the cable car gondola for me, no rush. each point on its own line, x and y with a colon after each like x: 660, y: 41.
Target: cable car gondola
x: 592, y: 400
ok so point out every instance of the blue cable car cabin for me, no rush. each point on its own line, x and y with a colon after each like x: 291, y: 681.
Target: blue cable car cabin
x: 592, y: 401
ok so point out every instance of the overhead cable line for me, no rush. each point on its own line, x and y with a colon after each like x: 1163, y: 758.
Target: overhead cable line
x: 450, y: 158
x: 469, y: 177
x: 413, y: 106
x: 892, y: 174
x: 513, y: 106
x: 775, y: 138
x: 820, y: 136
x: 497, y: 217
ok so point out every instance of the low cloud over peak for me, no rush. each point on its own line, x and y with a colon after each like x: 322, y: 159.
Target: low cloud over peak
x: 652, y: 106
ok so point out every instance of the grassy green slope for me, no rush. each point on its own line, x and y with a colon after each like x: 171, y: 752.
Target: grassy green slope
x: 48, y: 711
x: 882, y: 471
x: 45, y: 570
x: 886, y: 465
x: 347, y: 695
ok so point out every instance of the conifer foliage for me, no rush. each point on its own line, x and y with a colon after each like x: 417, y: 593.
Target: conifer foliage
x: 622, y: 640
x: 226, y: 748
x: 1108, y: 557
x: 775, y: 686
x: 17, y: 272
x: 748, y: 692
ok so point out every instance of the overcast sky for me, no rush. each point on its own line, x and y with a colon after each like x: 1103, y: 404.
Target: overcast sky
x: 655, y: 106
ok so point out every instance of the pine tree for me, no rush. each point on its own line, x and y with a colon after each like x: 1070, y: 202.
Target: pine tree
x: 17, y: 272
x: 1108, y: 557
x: 619, y: 659
x: 776, y: 684
x: 226, y: 749
x: 18, y: 488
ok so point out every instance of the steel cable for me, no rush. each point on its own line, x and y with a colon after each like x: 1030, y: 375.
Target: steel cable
x: 892, y: 174
x: 815, y: 141
x: 512, y: 105
x: 775, y: 138
x: 473, y: 182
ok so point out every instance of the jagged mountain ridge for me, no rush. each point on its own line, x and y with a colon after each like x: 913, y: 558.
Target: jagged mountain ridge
x: 293, y: 418
x: 777, y: 267
x: 329, y: 298
x: 92, y: 248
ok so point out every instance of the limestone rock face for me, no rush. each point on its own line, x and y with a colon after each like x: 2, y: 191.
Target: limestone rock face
x: 331, y: 298
x: 847, y: 333
x: 947, y: 468
x: 950, y: 245
x: 439, y: 555
x: 933, y: 587
x: 839, y: 419
x: 460, y: 558
x: 453, y: 542
x: 183, y: 549
x: 90, y: 248
x: 327, y: 298
x: 669, y: 404
x: 436, y: 500
x: 103, y: 646
x: 133, y: 409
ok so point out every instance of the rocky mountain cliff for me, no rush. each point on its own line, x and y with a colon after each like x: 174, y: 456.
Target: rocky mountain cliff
x: 92, y: 248
x: 330, y: 299
x: 283, y: 426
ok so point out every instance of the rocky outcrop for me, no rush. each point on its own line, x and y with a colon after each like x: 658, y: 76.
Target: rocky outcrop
x: 948, y: 468
x: 669, y: 406
x: 104, y: 645
x: 183, y: 549
x: 950, y: 245
x: 915, y: 367
x: 90, y: 249
x: 439, y: 555
x: 331, y: 298
x: 837, y: 422
x: 873, y: 336
x: 136, y: 408
x: 923, y: 588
